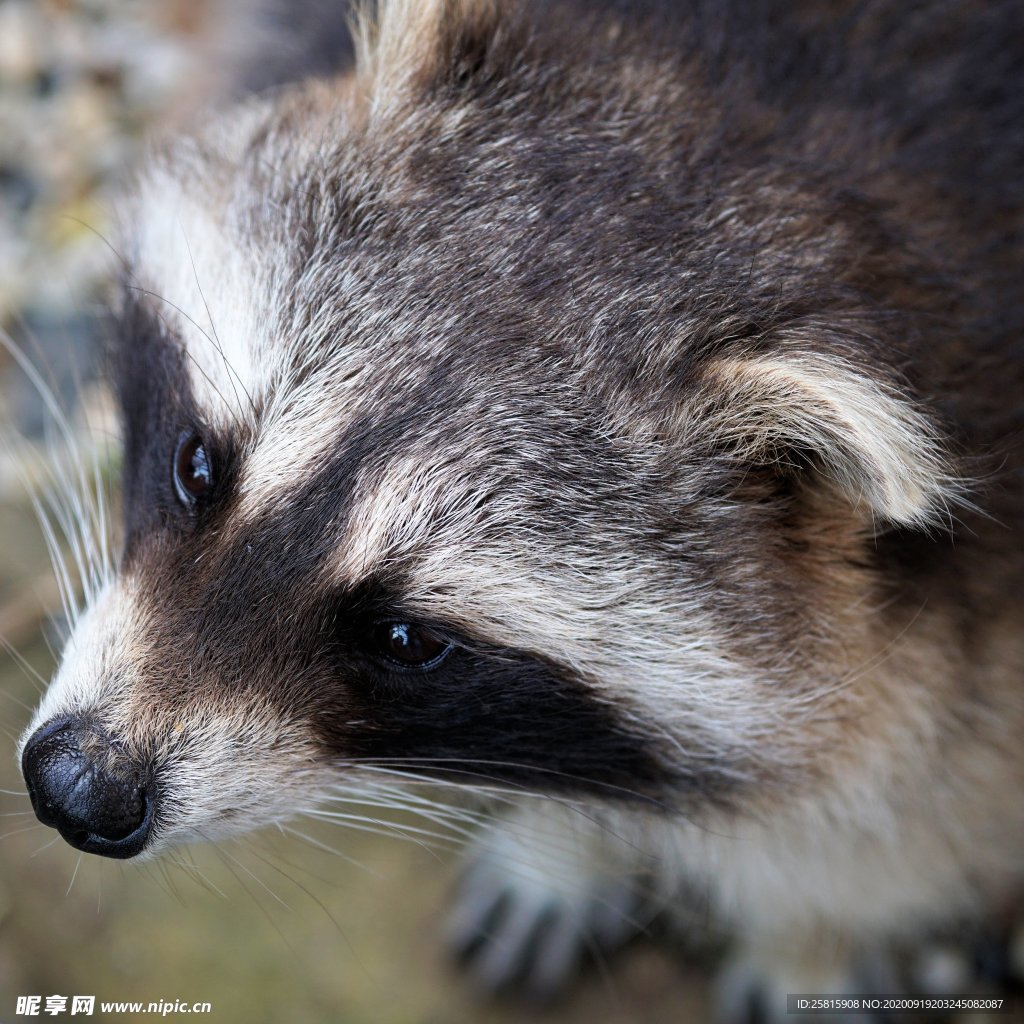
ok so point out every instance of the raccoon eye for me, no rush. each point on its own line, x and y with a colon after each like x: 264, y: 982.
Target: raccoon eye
x: 193, y: 472
x: 408, y: 645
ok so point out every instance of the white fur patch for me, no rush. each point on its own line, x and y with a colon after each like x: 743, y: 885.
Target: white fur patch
x: 83, y: 680
x: 206, y: 291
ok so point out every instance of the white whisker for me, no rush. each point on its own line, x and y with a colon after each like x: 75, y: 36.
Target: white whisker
x: 74, y: 875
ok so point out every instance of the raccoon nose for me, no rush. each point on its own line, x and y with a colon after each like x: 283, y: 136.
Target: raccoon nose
x: 105, y: 808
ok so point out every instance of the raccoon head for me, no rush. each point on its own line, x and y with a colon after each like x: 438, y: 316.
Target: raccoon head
x: 486, y: 416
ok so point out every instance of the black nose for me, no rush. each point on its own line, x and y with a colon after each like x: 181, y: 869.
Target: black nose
x: 98, y: 801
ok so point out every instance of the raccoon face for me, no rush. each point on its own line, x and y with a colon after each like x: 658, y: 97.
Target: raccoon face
x: 461, y: 437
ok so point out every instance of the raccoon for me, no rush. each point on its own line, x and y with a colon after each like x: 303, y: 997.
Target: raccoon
x: 612, y: 410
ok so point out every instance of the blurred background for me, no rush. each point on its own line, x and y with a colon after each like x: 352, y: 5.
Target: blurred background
x: 272, y: 928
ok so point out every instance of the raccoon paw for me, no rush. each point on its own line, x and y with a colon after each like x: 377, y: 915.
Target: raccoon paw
x: 988, y: 961
x: 754, y: 984
x: 523, y: 925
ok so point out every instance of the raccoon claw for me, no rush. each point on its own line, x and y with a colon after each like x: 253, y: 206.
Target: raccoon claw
x: 516, y: 933
x: 989, y: 961
x: 754, y: 984
x: 535, y: 949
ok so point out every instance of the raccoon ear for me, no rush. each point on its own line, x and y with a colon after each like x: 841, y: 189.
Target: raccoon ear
x: 397, y: 40
x: 871, y: 440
